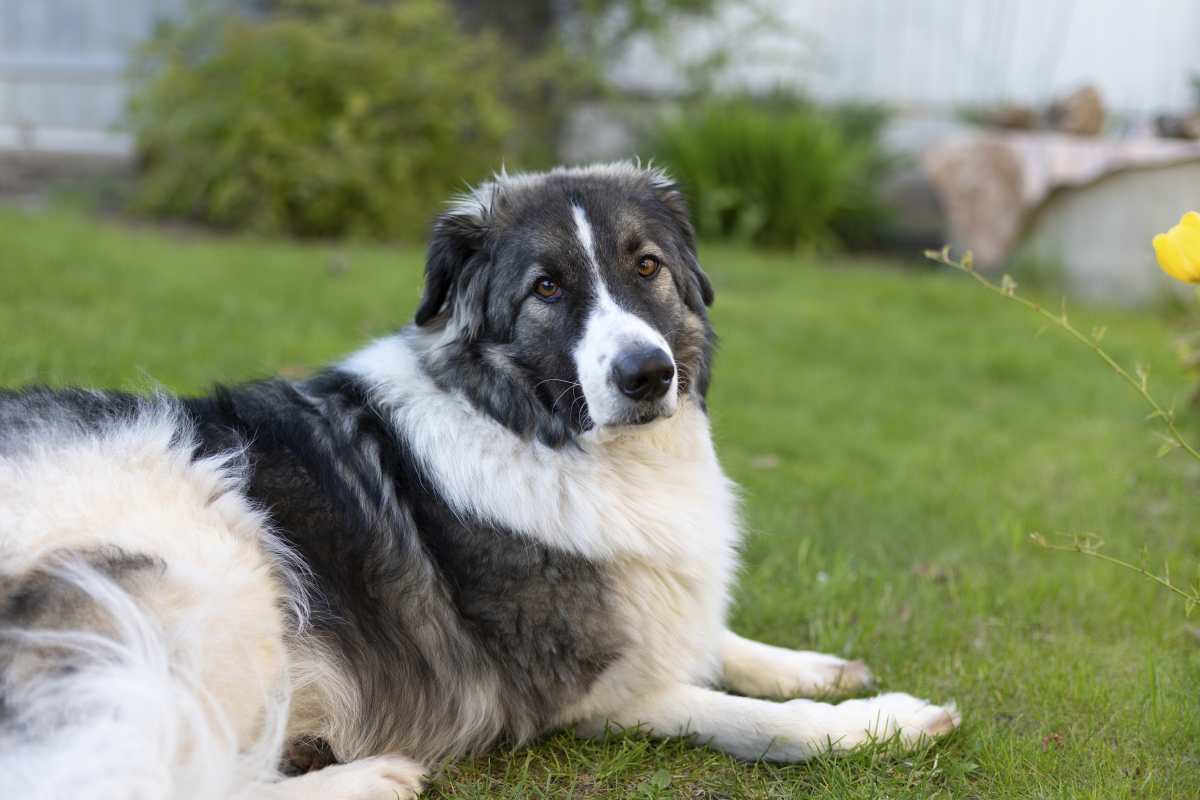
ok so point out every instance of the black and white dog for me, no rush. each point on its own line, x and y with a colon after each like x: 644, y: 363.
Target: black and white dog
x: 503, y: 520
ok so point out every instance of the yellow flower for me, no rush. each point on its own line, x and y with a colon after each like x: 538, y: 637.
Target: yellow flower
x: 1178, y: 249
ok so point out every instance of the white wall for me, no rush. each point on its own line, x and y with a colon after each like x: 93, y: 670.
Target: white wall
x: 61, y: 61
x: 934, y: 55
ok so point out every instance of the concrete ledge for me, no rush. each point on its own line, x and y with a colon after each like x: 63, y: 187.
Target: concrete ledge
x: 33, y: 160
x: 65, y: 140
x: 1099, y: 234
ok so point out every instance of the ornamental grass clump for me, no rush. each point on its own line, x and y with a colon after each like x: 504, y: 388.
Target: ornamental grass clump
x: 778, y: 173
x: 1178, y: 253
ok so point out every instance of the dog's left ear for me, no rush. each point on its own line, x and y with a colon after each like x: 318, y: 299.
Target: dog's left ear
x: 457, y: 251
x: 697, y: 288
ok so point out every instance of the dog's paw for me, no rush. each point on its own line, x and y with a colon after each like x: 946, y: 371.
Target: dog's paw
x: 389, y: 777
x: 896, y: 717
x: 782, y: 674
x: 917, y: 721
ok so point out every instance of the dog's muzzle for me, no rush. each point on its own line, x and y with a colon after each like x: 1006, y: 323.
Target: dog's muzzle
x: 643, y: 375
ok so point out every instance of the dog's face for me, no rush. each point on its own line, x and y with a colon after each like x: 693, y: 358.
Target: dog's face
x: 570, y: 300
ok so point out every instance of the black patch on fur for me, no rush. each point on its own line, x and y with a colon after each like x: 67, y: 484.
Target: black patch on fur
x: 424, y: 609
x: 307, y: 754
x: 44, y: 600
x: 45, y: 417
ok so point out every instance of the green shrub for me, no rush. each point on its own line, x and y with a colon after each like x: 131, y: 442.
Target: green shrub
x: 778, y: 174
x: 331, y: 117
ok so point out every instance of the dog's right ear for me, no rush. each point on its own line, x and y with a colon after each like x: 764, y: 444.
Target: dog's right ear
x: 459, y: 240
x: 696, y: 286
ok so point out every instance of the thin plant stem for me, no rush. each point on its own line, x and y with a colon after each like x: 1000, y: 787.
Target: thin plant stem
x: 1007, y: 288
x: 1089, y: 543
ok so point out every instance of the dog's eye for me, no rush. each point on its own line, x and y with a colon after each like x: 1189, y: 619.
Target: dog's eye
x: 548, y: 289
x: 647, y: 266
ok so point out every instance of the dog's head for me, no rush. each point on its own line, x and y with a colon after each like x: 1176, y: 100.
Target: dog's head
x: 569, y: 300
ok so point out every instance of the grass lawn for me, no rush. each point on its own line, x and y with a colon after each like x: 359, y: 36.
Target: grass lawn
x: 898, y: 434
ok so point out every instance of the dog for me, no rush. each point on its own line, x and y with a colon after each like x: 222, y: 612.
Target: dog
x: 505, y: 519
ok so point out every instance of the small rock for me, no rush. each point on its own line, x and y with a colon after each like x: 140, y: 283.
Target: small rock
x: 1081, y: 112
x: 1021, y: 118
x: 339, y: 265
x: 1172, y: 126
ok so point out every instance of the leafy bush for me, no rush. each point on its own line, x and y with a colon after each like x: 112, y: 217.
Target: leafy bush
x: 779, y: 174
x: 328, y: 117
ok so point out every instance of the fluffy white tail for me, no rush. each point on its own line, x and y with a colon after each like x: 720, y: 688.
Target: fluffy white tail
x: 122, y: 713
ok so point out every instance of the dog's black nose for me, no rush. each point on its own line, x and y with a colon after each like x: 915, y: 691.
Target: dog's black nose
x: 643, y: 374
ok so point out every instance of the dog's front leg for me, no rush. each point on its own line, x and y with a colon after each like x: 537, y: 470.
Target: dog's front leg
x: 760, y: 670
x: 793, y: 731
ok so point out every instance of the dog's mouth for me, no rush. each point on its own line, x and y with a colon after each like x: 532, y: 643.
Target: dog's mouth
x: 639, y: 416
x: 646, y: 417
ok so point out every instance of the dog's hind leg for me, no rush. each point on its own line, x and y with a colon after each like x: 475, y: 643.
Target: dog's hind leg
x: 793, y: 731
x: 109, y: 689
x: 760, y: 670
x: 391, y: 777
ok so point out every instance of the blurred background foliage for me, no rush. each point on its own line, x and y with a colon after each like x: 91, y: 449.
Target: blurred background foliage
x: 779, y: 172
x: 328, y: 118
x: 333, y: 117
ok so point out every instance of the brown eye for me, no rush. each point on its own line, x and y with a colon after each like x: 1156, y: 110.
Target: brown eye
x: 548, y: 288
x: 647, y: 266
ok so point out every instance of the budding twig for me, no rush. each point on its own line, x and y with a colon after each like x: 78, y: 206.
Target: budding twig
x: 1007, y: 288
x: 1089, y: 543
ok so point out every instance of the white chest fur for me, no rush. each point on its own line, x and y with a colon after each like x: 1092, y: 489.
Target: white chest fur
x: 655, y: 494
x: 651, y: 504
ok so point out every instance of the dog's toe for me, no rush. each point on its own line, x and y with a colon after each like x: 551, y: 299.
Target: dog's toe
x: 918, y: 721
x: 826, y: 674
x: 855, y: 675
x: 390, y: 778
x: 938, y: 720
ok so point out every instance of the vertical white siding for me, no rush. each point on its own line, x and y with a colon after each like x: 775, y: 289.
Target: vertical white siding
x: 62, y: 61
x: 939, y: 54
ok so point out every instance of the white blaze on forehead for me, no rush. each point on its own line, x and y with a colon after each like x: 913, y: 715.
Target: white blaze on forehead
x: 584, y: 229
x: 609, y: 331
